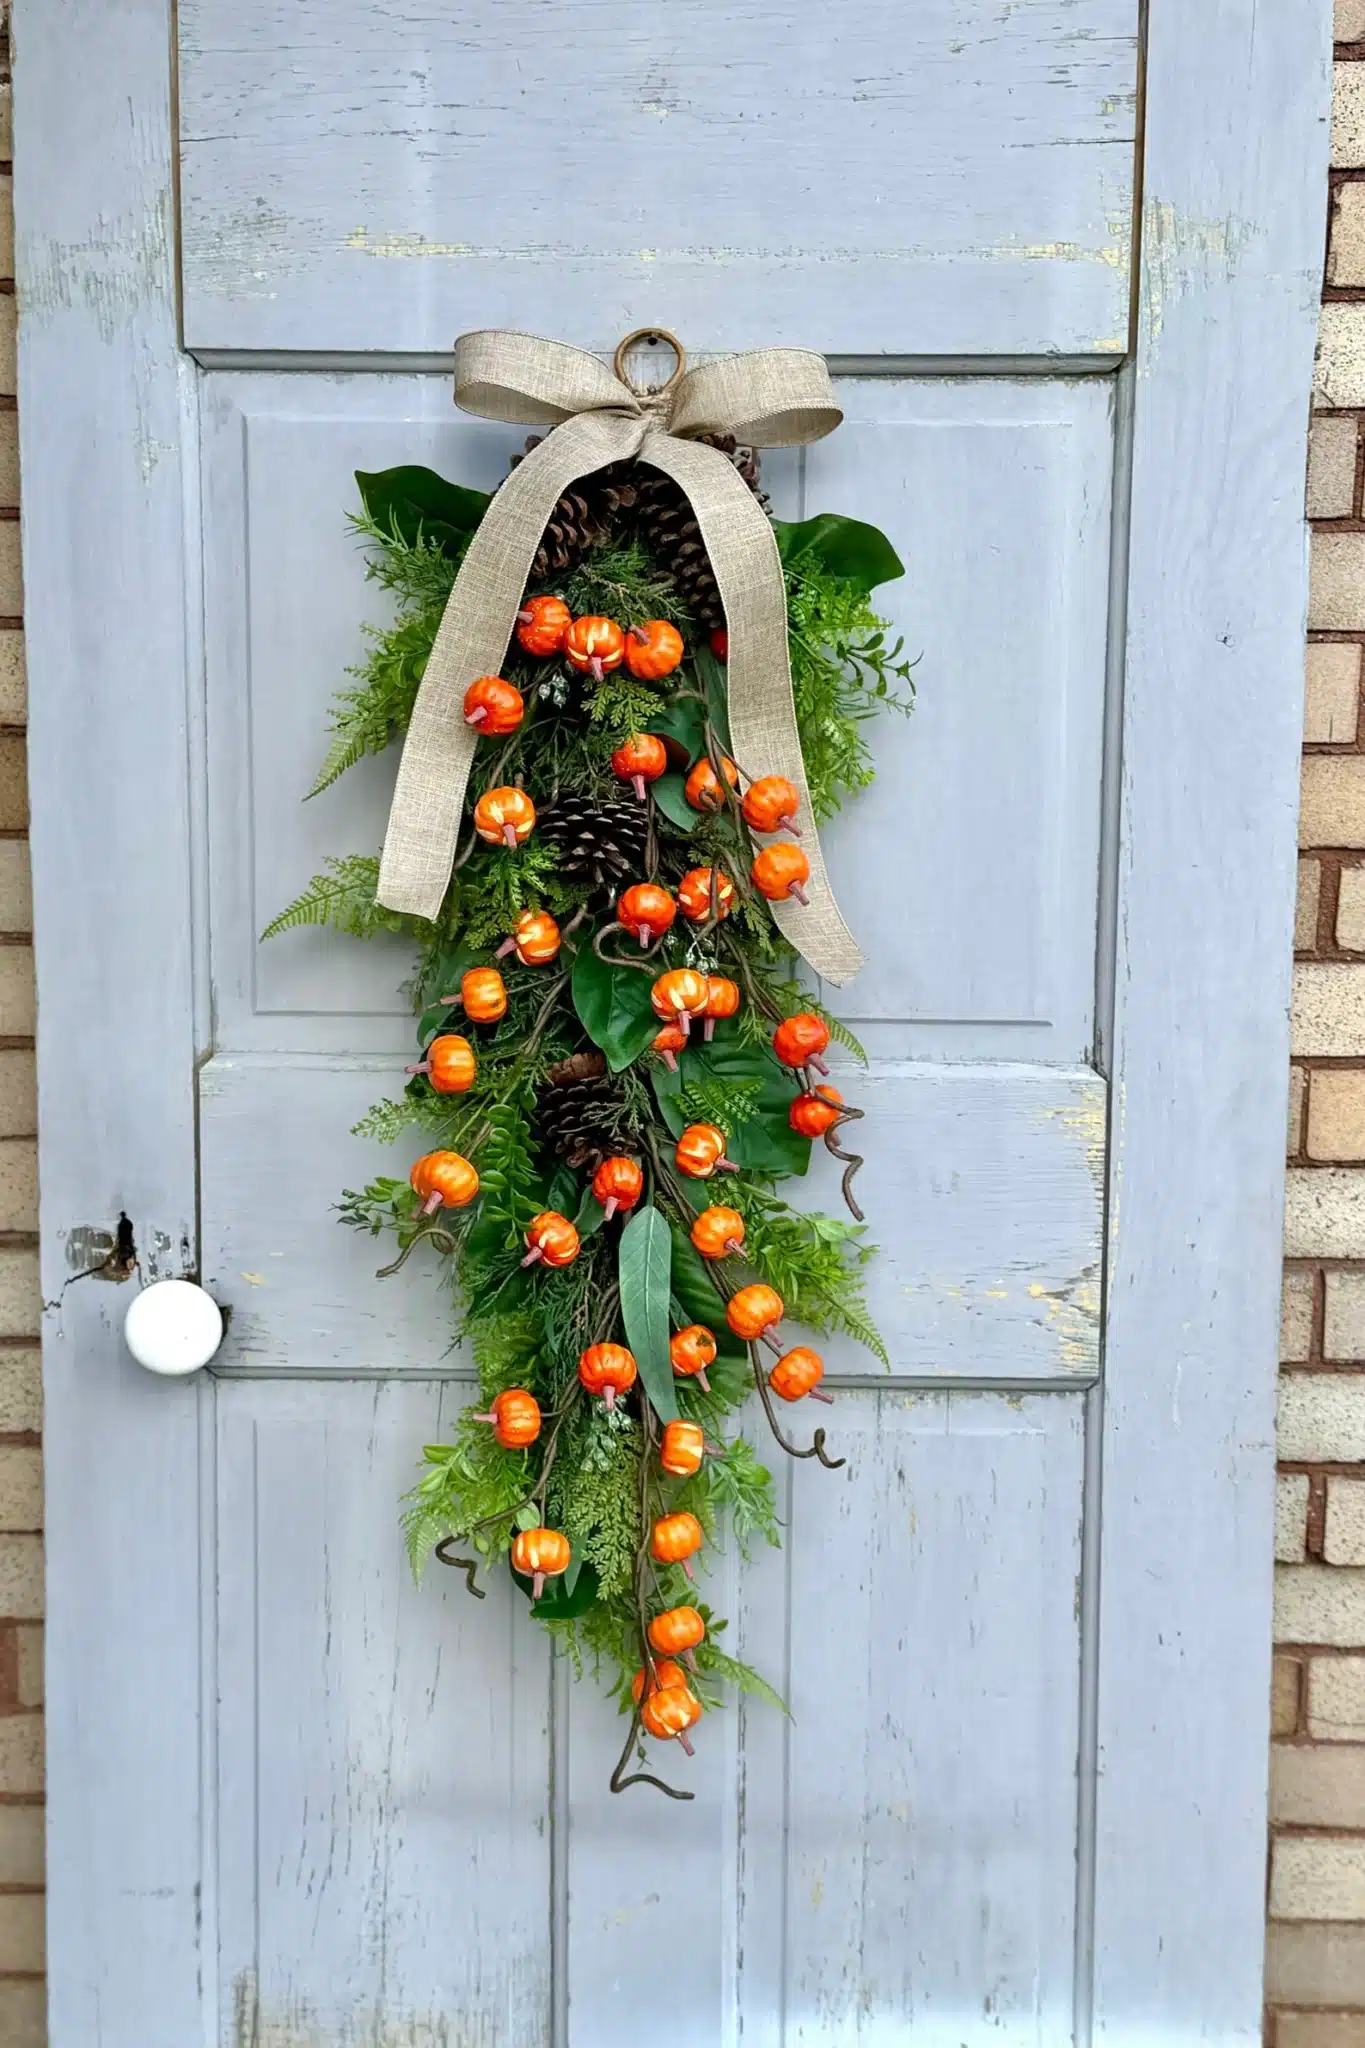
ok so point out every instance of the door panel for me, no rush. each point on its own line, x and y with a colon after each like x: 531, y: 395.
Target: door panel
x: 952, y: 178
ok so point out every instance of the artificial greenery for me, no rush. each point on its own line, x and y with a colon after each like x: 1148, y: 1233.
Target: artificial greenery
x: 594, y: 1472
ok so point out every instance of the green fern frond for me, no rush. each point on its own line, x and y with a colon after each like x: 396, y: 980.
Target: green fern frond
x: 344, y: 898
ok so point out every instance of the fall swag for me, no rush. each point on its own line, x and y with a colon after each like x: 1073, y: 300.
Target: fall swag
x: 618, y: 1067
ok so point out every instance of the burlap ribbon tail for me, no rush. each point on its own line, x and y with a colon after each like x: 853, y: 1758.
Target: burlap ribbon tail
x: 770, y: 398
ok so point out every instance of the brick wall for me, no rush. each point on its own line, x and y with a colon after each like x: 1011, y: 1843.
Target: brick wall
x: 21, y: 1585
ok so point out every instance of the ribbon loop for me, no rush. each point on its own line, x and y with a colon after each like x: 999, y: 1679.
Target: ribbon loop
x: 769, y: 398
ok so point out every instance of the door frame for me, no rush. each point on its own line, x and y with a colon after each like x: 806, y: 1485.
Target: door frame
x: 1210, y: 589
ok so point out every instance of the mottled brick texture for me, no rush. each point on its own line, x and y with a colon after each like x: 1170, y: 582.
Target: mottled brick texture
x: 1316, y: 1950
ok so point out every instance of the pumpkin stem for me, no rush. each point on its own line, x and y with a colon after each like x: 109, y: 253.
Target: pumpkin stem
x: 734, y: 1244
x: 509, y: 833
x: 820, y: 1066
x: 639, y: 633
x: 610, y: 1398
x: 708, y: 1034
x: 477, y: 715
x: 767, y: 1337
x: 507, y: 946
x: 609, y: 1208
x: 525, y: 615
x: 684, y: 1022
x: 490, y: 1417
x: 687, y: 1746
x: 817, y: 1394
x: 432, y: 1202
x: 799, y: 893
x: 423, y: 1068
x: 686, y: 1564
x: 644, y: 938
x: 703, y: 1382
x: 726, y: 1165
x: 690, y: 1659
x: 537, y: 1585
x: 599, y: 674
x: 638, y: 783
x: 669, y: 1061
x: 531, y: 1256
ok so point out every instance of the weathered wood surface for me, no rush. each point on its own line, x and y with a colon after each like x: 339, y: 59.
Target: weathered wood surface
x: 984, y: 1186
x: 950, y: 178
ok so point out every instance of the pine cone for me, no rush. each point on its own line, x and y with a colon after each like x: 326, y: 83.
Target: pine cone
x: 579, y: 1111
x: 601, y: 840
x: 583, y: 517
x: 668, y: 528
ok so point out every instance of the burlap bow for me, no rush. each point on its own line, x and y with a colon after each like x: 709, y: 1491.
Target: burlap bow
x: 771, y: 398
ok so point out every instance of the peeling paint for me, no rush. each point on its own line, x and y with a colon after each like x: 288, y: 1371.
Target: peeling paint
x: 1179, y: 250
x: 297, y: 2023
x: 125, y: 265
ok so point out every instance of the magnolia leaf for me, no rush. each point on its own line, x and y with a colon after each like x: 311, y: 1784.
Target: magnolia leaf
x: 644, y: 1267
x: 591, y: 1215
x: 681, y: 721
x: 613, y: 1007
x: 697, y: 1298
x: 413, y: 502
x: 849, y: 548
x: 668, y: 794
x: 712, y: 676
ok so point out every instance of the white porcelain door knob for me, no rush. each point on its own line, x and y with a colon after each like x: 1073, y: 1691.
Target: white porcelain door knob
x: 173, y: 1327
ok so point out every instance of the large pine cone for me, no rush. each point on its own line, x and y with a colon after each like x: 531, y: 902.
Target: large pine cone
x: 580, y: 1115
x: 600, y: 840
x: 584, y: 517
x: 666, y: 525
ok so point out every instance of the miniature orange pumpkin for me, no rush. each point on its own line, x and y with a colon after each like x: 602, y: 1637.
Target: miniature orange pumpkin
x: 669, y: 1713
x: 702, y: 787
x: 646, y: 911
x: 719, y: 643
x: 799, y: 1041
x: 607, y: 1369
x: 483, y: 993
x: 450, y: 1064
x: 653, y: 650
x: 717, y: 1232
x: 594, y: 646
x: 779, y: 871
x: 535, y: 940
x: 676, y: 1631
x: 695, y: 893
x: 617, y: 1184
x: 680, y: 1452
x: 665, y: 1672
x: 700, y: 1152
x: 542, y: 624
x: 667, y: 1043
x: 675, y: 1538
x: 813, y: 1114
x: 515, y: 1416
x: 550, y: 1239
x: 690, y: 1351
x: 505, y: 815
x: 493, y: 706
x: 722, y: 1000
x: 444, y: 1180
x: 771, y: 803
x: 642, y: 759
x: 799, y: 1372
x: 753, y: 1311
x: 680, y: 995
x: 540, y: 1554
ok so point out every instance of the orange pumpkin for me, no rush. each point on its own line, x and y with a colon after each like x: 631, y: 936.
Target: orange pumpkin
x: 450, y: 1065
x: 540, y: 1554
x: 676, y: 1538
x: 718, y: 1232
x: 680, y: 1452
x: 799, y: 1041
x: 679, y: 996
x: 515, y: 1416
x: 607, y: 1369
x: 668, y: 1043
x: 799, y: 1372
x: 504, y: 816
x: 444, y: 1180
x: 813, y: 1114
x: 753, y: 1311
x: 690, y: 1351
x: 779, y: 871
x: 702, y: 787
x: 617, y: 1184
x: 642, y: 759
x: 551, y: 1240
x: 483, y: 993
x: 665, y: 1672
x: 653, y: 650
x: 493, y: 706
x: 771, y: 803
x: 695, y: 894
x: 722, y: 1000
x: 669, y: 1713
x: 676, y: 1632
x: 535, y: 940
x: 594, y: 646
x: 542, y: 624
x: 700, y: 1152
x: 719, y: 643
x: 646, y: 911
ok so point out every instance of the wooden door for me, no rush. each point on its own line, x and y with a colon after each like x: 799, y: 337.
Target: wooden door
x: 295, y: 1801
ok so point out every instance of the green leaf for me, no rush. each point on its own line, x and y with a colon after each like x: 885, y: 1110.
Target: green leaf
x: 681, y: 721
x: 743, y: 1676
x: 849, y: 548
x: 561, y: 1601
x: 645, y: 1262
x: 668, y: 794
x: 613, y: 1007
x: 562, y: 1194
x: 698, y: 1299
x: 591, y: 1215
x: 714, y: 679
x: 411, y: 500
x: 766, y: 1142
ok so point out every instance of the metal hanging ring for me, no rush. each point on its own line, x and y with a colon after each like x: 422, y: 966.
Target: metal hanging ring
x: 618, y: 361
